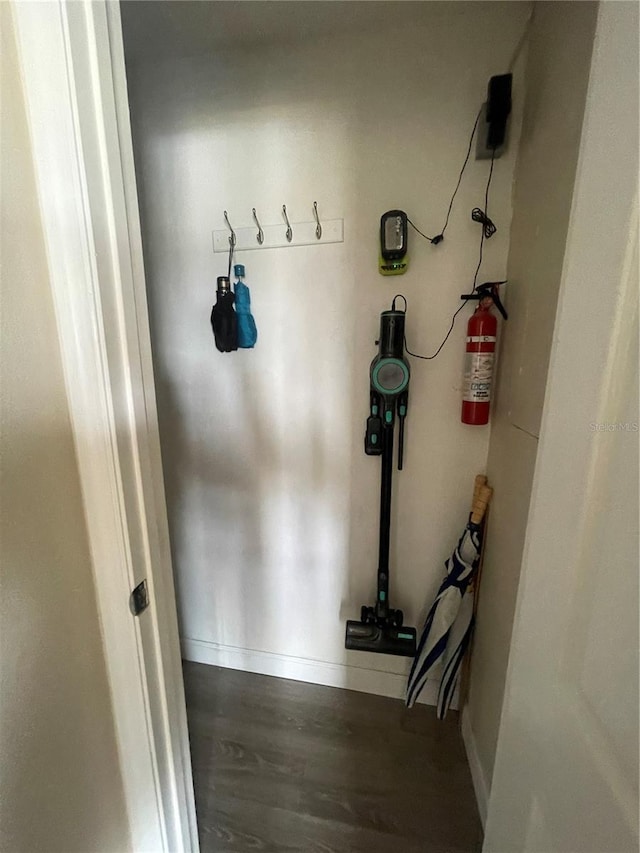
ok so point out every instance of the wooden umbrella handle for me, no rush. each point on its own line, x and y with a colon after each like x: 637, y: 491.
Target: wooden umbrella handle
x: 480, y: 504
x: 480, y: 481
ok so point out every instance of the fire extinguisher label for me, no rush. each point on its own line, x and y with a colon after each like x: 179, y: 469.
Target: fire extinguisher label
x: 481, y: 339
x: 478, y: 372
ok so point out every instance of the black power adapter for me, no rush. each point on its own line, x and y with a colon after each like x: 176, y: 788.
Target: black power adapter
x: 498, y: 109
x: 492, y: 129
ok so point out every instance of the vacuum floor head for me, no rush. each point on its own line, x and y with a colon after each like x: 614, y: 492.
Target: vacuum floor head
x: 385, y: 639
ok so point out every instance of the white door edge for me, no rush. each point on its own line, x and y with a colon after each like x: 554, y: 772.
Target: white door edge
x: 75, y: 90
x: 598, y: 287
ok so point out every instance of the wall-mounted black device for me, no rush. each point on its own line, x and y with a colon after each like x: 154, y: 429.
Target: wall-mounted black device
x: 492, y: 127
x: 394, y: 235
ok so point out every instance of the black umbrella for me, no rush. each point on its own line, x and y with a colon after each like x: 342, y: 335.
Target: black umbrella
x: 223, y: 317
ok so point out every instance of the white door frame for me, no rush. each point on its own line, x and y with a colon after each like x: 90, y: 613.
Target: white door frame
x: 75, y: 88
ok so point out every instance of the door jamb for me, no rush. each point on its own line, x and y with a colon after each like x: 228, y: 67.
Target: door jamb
x: 74, y: 79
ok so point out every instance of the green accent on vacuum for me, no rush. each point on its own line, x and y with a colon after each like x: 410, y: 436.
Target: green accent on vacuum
x: 405, y: 636
x: 389, y: 376
x: 383, y: 596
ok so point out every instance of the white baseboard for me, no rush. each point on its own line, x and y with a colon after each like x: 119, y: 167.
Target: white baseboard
x: 477, y: 773
x: 304, y: 669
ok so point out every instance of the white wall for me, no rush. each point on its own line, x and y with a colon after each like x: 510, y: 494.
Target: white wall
x: 61, y: 784
x: 272, y: 503
x: 557, y: 75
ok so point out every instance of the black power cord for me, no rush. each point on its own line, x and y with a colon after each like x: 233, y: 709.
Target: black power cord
x: 488, y: 230
x: 478, y: 215
x: 399, y: 296
x: 440, y: 237
x: 482, y: 216
x: 446, y: 338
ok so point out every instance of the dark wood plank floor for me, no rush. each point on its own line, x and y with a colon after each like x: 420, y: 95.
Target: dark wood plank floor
x: 283, y: 766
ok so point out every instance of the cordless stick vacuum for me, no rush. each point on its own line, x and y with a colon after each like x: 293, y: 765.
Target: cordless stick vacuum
x: 380, y: 628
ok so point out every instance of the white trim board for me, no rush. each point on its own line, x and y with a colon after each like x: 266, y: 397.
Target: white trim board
x: 75, y: 90
x: 475, y: 766
x: 348, y: 677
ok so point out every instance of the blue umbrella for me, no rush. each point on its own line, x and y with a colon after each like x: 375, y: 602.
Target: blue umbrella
x: 449, y: 624
x: 247, y: 332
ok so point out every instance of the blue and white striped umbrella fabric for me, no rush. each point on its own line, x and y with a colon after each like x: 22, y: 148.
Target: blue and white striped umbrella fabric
x: 457, y: 644
x: 449, y: 624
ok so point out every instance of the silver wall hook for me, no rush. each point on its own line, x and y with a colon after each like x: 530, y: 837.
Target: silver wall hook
x: 318, y: 226
x: 289, y: 233
x: 260, y: 234
x: 232, y: 238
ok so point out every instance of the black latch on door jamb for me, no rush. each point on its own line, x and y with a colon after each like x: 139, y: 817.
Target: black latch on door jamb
x: 139, y: 598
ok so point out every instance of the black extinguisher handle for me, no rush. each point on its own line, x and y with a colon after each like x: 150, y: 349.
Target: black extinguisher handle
x: 497, y: 301
x: 488, y: 289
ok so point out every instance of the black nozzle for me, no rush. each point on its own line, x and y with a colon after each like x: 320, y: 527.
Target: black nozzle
x: 383, y: 639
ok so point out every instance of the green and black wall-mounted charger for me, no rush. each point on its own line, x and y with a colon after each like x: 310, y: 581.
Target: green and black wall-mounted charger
x: 394, y: 234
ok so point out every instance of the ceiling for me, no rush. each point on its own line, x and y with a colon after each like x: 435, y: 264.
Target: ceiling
x: 164, y: 29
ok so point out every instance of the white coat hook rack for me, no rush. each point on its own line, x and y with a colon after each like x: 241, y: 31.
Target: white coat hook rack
x: 311, y: 233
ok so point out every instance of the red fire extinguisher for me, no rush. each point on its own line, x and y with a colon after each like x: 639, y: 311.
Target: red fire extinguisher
x: 480, y: 354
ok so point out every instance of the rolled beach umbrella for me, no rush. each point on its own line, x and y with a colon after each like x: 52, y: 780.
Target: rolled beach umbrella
x: 447, y: 629
x: 458, y: 642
